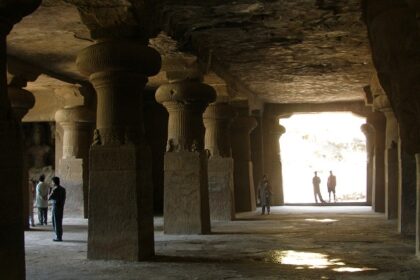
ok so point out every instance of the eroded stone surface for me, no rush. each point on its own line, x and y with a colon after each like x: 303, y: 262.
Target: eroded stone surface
x: 281, y: 51
x: 186, y: 199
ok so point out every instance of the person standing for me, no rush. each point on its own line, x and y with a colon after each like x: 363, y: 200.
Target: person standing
x: 58, y: 198
x: 42, y: 200
x: 316, y: 181
x: 264, y: 193
x: 331, y: 183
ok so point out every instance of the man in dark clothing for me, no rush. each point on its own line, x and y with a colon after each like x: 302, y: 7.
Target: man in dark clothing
x: 317, y: 192
x: 58, y: 198
x: 331, y: 183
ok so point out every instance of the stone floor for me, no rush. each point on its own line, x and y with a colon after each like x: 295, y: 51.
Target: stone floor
x: 291, y: 243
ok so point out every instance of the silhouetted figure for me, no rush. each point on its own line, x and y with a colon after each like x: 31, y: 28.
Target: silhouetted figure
x: 42, y: 189
x: 331, y: 183
x: 316, y: 181
x: 58, y: 198
x: 264, y: 192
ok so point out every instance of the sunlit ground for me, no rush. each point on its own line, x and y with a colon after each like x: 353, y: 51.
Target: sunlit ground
x: 309, y: 260
x: 323, y: 142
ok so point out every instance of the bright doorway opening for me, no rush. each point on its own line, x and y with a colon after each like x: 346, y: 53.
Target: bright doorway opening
x: 322, y: 142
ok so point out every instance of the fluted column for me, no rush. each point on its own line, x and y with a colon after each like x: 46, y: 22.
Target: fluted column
x: 77, y: 123
x: 186, y: 200
x: 12, y: 256
x: 217, y: 119
x: 120, y: 188
x: 369, y: 132
x: 241, y: 152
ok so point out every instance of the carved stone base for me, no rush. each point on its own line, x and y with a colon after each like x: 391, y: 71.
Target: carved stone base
x: 222, y: 203
x: 120, y: 203
x: 70, y: 172
x: 244, y: 187
x: 186, y: 198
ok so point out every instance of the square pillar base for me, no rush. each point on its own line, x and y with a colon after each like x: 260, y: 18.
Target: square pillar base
x: 186, y: 199
x: 120, y: 203
x: 244, y: 187
x: 70, y: 171
x: 220, y: 172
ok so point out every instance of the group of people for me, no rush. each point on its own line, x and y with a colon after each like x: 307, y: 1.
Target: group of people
x: 331, y: 183
x: 265, y: 192
x: 57, y: 196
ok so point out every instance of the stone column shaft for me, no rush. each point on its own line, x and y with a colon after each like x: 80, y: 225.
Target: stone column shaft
x: 21, y: 101
x: 391, y: 166
x: 217, y: 119
x: 120, y: 188
x: 77, y: 124
x: 257, y: 150
x: 241, y: 152
x: 186, y: 198
x: 12, y: 255
x: 369, y: 132
x: 418, y: 205
x: 406, y: 192
x: 377, y: 120
x: 272, y: 158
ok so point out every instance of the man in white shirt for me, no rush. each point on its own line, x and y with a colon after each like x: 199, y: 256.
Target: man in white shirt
x: 42, y: 189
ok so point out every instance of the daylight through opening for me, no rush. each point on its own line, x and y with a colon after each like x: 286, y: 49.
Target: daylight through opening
x: 323, y: 142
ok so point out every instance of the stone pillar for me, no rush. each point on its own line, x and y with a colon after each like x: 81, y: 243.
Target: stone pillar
x: 406, y: 192
x: 156, y: 129
x: 378, y: 121
x: 120, y: 188
x: 241, y: 152
x: 12, y: 253
x: 217, y: 119
x: 418, y: 205
x: 272, y: 161
x: 186, y: 200
x: 257, y: 150
x: 369, y: 132
x: 21, y: 101
x: 73, y: 168
x: 391, y: 165
x: 381, y: 103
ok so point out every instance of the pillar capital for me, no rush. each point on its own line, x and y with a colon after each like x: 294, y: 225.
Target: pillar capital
x: 185, y: 102
x: 278, y: 130
x: 74, y: 114
x: 106, y: 57
x: 185, y: 92
x: 367, y: 129
x: 219, y: 111
x: 246, y: 123
x: 118, y: 70
x: 21, y: 101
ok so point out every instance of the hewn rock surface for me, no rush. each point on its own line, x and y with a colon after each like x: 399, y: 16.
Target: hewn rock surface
x: 282, y: 51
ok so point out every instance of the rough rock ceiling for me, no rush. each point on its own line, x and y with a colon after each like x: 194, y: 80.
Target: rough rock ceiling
x: 283, y: 51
